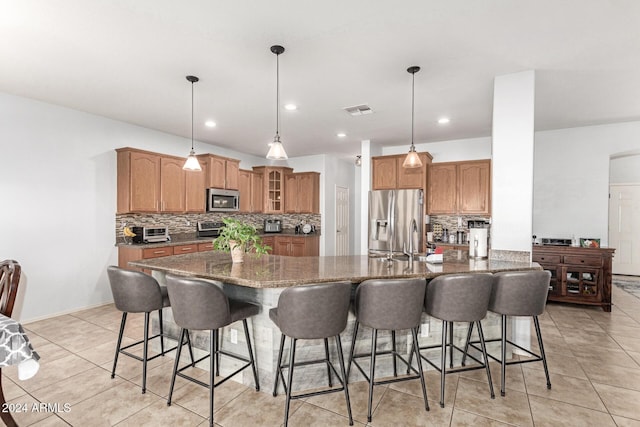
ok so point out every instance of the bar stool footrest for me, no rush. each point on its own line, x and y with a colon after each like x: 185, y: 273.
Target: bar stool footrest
x: 536, y: 357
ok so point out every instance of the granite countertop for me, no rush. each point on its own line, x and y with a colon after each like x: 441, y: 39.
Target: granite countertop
x: 191, y: 238
x: 272, y: 271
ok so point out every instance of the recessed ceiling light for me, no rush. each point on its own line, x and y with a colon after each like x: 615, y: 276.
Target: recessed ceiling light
x: 210, y: 124
x: 443, y: 120
x: 341, y: 135
x: 290, y: 107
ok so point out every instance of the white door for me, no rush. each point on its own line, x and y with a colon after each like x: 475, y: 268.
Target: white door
x: 624, y: 228
x: 342, y: 221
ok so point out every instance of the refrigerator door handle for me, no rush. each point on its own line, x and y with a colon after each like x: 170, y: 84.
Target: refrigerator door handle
x: 392, y: 218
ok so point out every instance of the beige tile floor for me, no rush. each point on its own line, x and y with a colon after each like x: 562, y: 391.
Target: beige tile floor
x: 594, y: 359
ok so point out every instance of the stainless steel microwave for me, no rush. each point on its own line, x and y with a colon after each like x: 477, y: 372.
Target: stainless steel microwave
x: 219, y: 200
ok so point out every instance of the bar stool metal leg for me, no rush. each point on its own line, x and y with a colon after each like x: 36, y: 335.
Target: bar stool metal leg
x: 292, y: 358
x: 344, y: 377
x: 486, y: 358
x: 351, y: 351
x: 145, y: 353
x: 175, y: 364
x: 279, y: 367
x: 443, y: 361
x: 217, y: 355
x: 451, y: 345
x: 326, y: 353
x: 393, y: 348
x: 416, y: 346
x: 253, y: 362
x: 115, y: 359
x: 213, y: 343
x: 374, y: 342
x: 190, y: 349
x: 503, y: 354
x: 536, y: 322
x: 161, y: 332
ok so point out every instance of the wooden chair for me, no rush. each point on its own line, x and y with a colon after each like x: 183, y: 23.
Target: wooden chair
x: 9, y: 279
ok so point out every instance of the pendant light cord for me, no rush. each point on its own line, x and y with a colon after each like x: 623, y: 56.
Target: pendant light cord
x: 191, y: 116
x: 413, y: 90
x: 277, y: 93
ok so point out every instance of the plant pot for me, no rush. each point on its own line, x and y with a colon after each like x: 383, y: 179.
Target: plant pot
x: 237, y: 253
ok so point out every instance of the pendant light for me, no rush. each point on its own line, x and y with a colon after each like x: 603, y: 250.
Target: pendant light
x: 412, y: 160
x: 276, y: 151
x: 192, y: 163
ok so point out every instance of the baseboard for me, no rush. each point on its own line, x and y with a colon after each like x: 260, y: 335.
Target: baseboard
x: 62, y: 313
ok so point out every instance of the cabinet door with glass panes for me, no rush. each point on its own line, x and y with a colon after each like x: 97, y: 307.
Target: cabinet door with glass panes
x: 581, y: 281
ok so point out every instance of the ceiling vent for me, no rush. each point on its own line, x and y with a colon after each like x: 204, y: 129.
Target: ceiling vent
x: 359, y: 110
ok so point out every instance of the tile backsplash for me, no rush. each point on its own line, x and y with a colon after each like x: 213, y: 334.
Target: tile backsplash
x: 450, y: 222
x: 186, y: 223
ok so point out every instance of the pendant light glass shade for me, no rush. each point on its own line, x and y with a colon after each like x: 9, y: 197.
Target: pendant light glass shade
x: 192, y: 162
x: 412, y: 160
x: 276, y: 151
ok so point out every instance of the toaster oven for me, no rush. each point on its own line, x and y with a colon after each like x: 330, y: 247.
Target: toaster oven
x: 151, y: 234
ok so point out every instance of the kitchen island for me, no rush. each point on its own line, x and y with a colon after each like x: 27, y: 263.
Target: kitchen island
x: 261, y: 279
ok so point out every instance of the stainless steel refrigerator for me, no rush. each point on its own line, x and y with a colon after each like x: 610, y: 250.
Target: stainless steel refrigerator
x: 391, y: 221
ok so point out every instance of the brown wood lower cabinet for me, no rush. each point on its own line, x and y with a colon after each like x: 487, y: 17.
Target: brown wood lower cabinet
x: 282, y: 245
x: 578, y: 275
x: 134, y: 253
x: 293, y: 245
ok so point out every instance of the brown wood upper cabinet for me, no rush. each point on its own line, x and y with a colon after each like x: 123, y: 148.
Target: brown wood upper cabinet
x: 388, y: 173
x: 220, y: 172
x: 251, y: 191
x: 460, y: 188
x: 195, y: 198
x: 273, y: 187
x: 149, y: 182
x: 302, y: 192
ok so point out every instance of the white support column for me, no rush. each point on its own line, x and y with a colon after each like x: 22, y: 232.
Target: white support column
x: 512, y: 162
x: 365, y: 185
x: 512, y: 176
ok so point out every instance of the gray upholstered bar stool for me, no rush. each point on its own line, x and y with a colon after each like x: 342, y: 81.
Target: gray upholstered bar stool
x: 308, y: 312
x: 390, y: 305
x: 201, y: 305
x: 458, y: 298
x: 137, y: 292
x: 518, y: 293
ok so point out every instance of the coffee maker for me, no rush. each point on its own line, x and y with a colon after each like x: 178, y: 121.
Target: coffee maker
x: 478, y: 239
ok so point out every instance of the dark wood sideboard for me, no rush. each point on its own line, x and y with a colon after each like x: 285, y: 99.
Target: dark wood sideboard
x: 578, y: 275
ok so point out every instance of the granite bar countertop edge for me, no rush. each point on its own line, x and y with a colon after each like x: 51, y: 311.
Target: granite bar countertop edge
x: 273, y: 271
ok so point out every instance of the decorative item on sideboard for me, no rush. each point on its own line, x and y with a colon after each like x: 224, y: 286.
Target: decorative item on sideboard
x: 589, y: 242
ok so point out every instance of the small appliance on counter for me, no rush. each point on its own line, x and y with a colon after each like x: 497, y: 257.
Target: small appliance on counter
x: 272, y: 225
x: 151, y: 234
x: 209, y: 228
x: 478, y: 239
x: 305, y: 229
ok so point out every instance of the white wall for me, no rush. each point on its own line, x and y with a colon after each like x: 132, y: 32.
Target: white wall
x: 58, y: 186
x: 571, y: 178
x: 625, y: 169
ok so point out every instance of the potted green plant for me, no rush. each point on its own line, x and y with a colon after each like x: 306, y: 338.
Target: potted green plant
x: 239, y: 237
